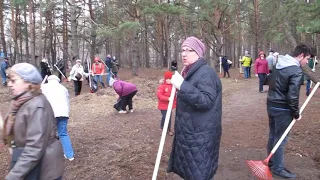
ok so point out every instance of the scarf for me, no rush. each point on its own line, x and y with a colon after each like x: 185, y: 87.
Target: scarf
x: 16, y: 103
x: 185, y: 70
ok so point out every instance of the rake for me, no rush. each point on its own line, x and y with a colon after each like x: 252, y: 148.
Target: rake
x: 260, y: 169
x: 164, y: 132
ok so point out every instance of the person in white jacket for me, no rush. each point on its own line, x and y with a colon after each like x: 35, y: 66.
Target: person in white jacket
x: 58, y: 97
x: 76, y: 74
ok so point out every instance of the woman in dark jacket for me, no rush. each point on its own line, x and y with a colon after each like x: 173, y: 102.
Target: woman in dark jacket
x: 195, y: 149
x: 30, y: 129
x: 225, y: 66
x: 45, y: 68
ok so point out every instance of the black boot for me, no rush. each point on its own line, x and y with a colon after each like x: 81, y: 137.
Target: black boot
x: 285, y: 173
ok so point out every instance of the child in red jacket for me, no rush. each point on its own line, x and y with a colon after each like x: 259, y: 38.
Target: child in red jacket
x: 163, y: 94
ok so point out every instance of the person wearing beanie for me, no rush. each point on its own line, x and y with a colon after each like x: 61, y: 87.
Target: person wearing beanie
x: 126, y: 92
x: 261, y: 69
x: 163, y: 94
x: 58, y: 97
x: 98, y: 70
x: 76, y: 74
x: 30, y: 128
x: 198, y: 115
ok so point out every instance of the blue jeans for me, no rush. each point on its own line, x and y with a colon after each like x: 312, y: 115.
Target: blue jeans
x: 98, y: 78
x: 163, y: 118
x: 246, y: 72
x: 62, y: 123
x: 262, y: 78
x: 108, y: 77
x: 308, y: 87
x: 115, y: 74
x: 279, y: 120
x: 4, y: 80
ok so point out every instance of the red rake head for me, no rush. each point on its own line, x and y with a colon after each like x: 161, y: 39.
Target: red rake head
x: 260, y: 169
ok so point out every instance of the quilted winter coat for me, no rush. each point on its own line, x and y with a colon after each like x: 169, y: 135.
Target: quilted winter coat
x: 195, y: 148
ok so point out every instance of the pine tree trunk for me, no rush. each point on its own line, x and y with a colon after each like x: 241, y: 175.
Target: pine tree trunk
x: 146, y: 44
x: 74, y: 34
x: 40, y: 30
x: 3, y: 38
x: 65, y: 33
x: 93, y: 31
x: 20, y: 37
x: 26, y: 32
x: 32, y: 32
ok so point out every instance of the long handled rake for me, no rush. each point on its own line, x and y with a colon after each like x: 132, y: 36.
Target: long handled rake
x: 1, y: 122
x: 260, y: 169
x: 164, y: 133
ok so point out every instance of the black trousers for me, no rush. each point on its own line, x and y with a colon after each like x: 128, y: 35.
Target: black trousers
x: 60, y: 76
x: 224, y: 73
x: 77, y: 87
x: 127, y: 101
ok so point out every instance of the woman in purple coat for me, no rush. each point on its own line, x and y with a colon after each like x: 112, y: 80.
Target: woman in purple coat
x: 126, y: 91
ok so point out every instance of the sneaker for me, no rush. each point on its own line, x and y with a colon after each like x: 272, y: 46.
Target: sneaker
x: 122, y: 112
x: 131, y: 110
x: 70, y: 159
x: 285, y: 173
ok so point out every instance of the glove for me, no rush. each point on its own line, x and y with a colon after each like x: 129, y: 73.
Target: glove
x: 298, y: 118
x: 177, y: 80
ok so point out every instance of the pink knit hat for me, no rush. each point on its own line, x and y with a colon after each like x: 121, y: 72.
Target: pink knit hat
x: 195, y: 44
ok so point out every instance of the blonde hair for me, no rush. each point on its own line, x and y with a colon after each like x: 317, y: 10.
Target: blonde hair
x: 34, y: 88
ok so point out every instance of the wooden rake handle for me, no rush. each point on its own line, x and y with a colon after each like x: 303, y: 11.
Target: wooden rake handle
x: 164, y: 133
x: 294, y: 121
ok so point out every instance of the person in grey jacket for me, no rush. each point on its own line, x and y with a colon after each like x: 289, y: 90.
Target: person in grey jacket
x: 196, y: 144
x: 30, y: 129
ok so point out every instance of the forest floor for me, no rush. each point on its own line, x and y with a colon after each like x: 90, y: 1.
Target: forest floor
x: 109, y: 145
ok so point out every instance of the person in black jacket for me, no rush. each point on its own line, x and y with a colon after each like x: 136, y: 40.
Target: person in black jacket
x: 283, y: 103
x: 61, y: 65
x: 195, y: 148
x: 174, y: 65
x: 45, y: 68
x: 225, y: 66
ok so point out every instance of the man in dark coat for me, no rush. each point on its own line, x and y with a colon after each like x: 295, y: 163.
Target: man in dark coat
x: 61, y: 65
x: 225, y: 66
x: 174, y: 65
x: 45, y: 68
x: 4, y: 66
x: 195, y: 149
x: 283, y: 104
x: 108, y: 63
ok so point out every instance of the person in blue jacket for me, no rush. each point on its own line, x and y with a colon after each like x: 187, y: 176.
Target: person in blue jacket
x: 108, y: 62
x: 4, y: 66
